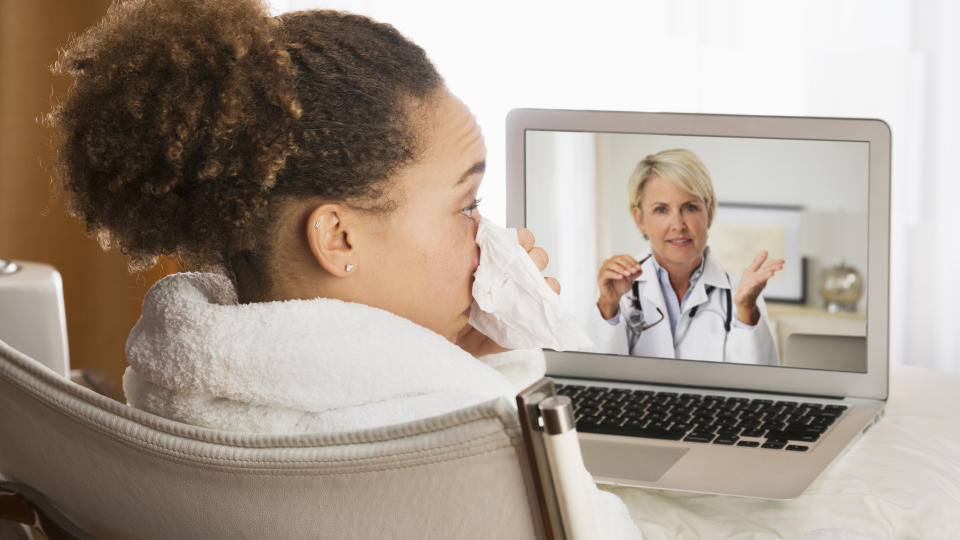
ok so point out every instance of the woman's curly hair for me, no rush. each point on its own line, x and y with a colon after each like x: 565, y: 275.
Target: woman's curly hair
x: 188, y: 119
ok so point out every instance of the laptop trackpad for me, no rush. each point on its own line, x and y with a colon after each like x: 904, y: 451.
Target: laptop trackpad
x: 616, y: 459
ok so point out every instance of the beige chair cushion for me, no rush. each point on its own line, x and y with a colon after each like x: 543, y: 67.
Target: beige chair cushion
x: 118, y: 472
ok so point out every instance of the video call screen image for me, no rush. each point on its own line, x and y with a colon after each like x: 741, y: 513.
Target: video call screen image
x: 802, y: 201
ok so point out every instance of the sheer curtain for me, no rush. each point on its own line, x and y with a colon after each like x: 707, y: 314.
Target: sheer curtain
x: 898, y: 60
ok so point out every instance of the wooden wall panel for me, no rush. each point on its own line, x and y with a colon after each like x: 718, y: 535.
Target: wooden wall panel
x: 102, y: 298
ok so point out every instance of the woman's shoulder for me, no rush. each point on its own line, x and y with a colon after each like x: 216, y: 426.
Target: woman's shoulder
x: 715, y: 274
x: 522, y: 367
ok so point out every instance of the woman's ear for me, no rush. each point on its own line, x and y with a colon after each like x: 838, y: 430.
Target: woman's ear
x: 330, y: 238
x: 638, y: 219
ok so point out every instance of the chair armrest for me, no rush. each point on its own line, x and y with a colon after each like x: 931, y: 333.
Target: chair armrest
x: 571, y: 482
x: 553, y: 453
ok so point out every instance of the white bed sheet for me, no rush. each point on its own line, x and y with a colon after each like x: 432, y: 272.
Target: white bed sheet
x: 900, y: 480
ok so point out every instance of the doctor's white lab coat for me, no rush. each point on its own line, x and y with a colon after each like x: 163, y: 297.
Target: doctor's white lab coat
x: 698, y: 338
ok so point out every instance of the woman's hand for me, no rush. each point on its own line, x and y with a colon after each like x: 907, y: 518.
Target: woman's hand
x: 754, y: 279
x: 538, y: 254
x: 615, y: 278
x: 476, y: 343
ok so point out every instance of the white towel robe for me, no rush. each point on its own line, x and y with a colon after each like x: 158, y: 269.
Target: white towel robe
x: 702, y: 337
x: 301, y: 366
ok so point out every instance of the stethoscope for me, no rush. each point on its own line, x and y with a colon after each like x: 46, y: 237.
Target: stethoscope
x: 637, y: 323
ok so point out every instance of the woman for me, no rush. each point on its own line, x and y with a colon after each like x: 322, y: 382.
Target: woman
x: 316, y: 165
x: 676, y: 301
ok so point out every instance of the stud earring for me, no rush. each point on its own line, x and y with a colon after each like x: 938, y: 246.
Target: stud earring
x: 348, y: 267
x: 316, y: 225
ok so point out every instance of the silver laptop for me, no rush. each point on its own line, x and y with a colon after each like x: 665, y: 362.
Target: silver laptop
x: 698, y: 417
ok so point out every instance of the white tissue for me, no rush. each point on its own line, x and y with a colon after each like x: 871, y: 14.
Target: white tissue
x: 512, y: 304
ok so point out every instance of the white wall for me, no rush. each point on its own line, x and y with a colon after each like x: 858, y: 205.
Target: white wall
x: 562, y: 180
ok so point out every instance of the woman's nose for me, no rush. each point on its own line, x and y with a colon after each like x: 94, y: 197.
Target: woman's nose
x: 477, y: 218
x: 678, y: 221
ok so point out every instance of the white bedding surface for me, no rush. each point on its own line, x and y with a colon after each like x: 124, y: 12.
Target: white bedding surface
x: 900, y: 480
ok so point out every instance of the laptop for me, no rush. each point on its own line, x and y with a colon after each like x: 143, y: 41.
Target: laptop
x: 814, y: 192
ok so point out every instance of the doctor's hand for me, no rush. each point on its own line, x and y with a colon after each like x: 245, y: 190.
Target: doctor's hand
x: 477, y: 343
x: 615, y: 278
x: 752, y: 282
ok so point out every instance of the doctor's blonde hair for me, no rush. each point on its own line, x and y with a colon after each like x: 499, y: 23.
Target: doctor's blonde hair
x: 678, y: 167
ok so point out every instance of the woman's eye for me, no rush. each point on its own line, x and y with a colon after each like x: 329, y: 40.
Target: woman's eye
x: 468, y: 211
x: 692, y: 208
x: 660, y: 210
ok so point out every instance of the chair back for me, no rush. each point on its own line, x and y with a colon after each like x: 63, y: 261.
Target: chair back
x: 118, y: 472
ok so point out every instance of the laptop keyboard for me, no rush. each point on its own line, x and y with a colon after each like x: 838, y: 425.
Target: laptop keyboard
x: 706, y: 419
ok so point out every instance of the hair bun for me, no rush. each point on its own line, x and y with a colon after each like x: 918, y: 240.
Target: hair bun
x: 180, y: 115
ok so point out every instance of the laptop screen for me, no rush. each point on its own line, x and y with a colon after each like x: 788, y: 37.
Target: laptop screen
x: 658, y: 241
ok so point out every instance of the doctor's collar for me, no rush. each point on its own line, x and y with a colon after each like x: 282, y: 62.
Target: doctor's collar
x: 662, y: 272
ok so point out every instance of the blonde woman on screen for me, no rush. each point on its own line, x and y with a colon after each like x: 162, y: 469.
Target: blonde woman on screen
x: 675, y: 300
